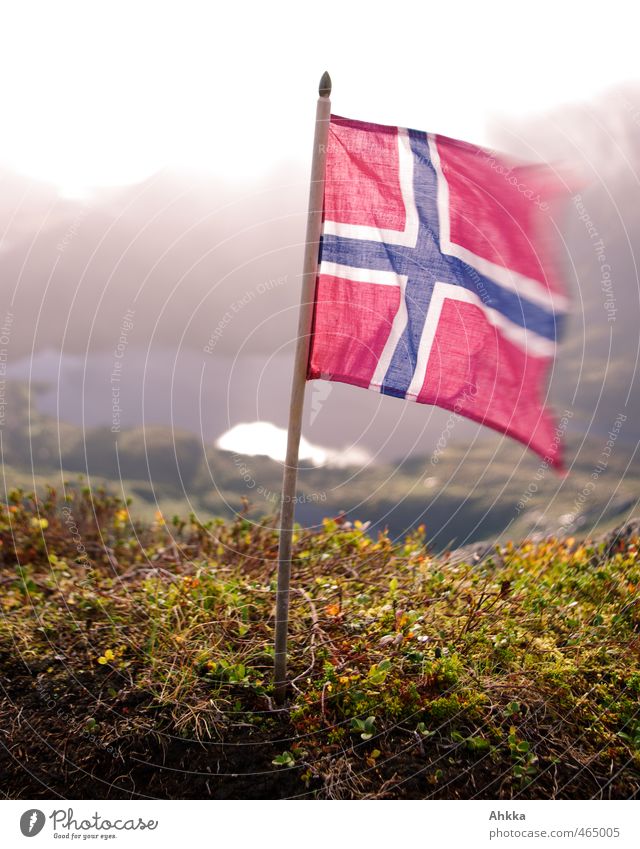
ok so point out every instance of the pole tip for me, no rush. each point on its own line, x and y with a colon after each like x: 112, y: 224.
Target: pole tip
x: 324, y: 89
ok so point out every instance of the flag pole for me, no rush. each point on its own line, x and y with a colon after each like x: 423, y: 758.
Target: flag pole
x: 309, y: 273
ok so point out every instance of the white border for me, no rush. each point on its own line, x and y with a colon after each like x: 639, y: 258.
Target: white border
x: 360, y: 275
x: 532, y: 290
x: 525, y: 287
x: 531, y: 343
x: 407, y: 237
x: 528, y: 340
x: 398, y: 327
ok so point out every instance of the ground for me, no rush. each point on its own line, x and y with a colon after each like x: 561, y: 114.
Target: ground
x: 136, y: 661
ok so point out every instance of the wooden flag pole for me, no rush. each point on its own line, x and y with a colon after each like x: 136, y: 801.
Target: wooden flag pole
x: 309, y: 273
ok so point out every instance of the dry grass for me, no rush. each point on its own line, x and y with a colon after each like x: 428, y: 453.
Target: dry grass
x: 137, y: 660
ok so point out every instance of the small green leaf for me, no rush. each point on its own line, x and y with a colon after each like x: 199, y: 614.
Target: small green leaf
x: 477, y: 744
x: 285, y: 759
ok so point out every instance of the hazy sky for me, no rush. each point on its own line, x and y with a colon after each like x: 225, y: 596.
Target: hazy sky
x: 108, y: 93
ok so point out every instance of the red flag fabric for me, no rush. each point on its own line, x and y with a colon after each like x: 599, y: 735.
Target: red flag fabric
x: 436, y: 281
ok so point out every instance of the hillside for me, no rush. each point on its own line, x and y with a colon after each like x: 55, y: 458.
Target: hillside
x: 491, y: 489
x: 136, y: 662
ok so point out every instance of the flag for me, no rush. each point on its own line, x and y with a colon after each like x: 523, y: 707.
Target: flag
x: 436, y: 281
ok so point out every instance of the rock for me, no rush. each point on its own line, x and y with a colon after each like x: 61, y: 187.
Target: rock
x: 474, y: 554
x: 621, y: 534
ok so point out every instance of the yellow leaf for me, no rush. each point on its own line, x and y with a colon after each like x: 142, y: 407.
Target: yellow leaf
x: 39, y: 523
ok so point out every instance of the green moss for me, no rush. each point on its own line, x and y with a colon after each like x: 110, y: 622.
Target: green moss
x: 544, y: 640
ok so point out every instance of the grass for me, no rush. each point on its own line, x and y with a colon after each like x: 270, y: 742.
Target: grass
x: 136, y: 660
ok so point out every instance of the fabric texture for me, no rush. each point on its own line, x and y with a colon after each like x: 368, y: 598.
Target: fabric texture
x: 437, y: 282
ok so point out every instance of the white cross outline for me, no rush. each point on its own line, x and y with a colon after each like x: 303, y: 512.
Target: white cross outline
x: 533, y: 290
x: 526, y: 287
x: 407, y: 237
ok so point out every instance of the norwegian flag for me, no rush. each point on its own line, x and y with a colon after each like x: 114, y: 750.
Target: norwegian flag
x: 435, y: 282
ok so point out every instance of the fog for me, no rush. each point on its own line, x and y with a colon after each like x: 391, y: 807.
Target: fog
x: 191, y: 285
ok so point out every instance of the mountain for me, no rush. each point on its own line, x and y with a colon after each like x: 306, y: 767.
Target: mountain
x: 192, y: 287
x: 490, y: 489
x: 168, y: 310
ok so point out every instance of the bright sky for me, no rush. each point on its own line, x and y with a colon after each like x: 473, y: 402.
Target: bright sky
x: 108, y: 93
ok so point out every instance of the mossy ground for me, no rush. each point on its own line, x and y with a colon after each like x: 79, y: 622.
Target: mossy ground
x: 136, y: 661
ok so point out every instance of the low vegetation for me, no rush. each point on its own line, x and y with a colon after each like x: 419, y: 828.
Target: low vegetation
x: 500, y: 490
x: 136, y: 661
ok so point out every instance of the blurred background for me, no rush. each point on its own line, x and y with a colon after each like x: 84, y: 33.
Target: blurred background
x: 154, y: 166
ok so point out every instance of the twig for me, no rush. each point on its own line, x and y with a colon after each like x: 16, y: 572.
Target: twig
x: 315, y: 630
